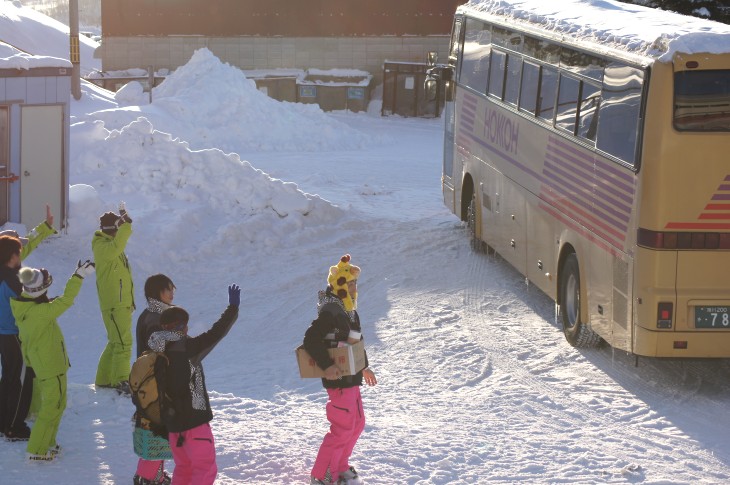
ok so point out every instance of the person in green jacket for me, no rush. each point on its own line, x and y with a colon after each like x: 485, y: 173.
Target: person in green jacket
x: 45, y: 351
x: 116, y: 298
x: 16, y: 382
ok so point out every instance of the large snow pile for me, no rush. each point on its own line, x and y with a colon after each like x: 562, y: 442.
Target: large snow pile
x: 224, y: 201
x: 633, y: 28
x: 209, y: 103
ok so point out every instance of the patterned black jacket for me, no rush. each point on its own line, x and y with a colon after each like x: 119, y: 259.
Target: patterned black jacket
x: 183, y: 379
x: 332, y: 325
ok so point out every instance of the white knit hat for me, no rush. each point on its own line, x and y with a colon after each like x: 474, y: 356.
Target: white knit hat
x: 35, y: 281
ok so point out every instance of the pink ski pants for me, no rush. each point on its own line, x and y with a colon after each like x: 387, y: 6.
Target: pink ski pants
x: 347, y: 420
x: 195, y: 457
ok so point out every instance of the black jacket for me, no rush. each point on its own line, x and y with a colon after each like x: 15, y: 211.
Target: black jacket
x: 148, y: 323
x: 332, y: 325
x: 183, y: 378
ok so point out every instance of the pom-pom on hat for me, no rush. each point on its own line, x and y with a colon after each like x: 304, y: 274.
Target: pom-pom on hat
x: 35, y: 281
x: 338, y: 278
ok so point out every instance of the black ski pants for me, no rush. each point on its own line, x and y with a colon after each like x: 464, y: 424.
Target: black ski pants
x: 16, y: 385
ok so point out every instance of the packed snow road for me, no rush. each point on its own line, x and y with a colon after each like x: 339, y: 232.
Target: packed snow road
x: 477, y: 382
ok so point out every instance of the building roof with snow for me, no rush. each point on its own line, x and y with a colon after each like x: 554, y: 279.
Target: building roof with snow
x: 12, y: 58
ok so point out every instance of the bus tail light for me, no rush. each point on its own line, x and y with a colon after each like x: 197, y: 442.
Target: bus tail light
x: 682, y: 240
x: 664, y: 315
x: 680, y: 344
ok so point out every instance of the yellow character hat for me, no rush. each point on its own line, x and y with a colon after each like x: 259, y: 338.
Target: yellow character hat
x: 338, y: 278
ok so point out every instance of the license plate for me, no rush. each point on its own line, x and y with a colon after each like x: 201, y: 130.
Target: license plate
x: 712, y: 317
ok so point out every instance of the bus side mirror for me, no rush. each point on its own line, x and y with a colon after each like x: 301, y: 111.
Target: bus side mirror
x: 432, y: 58
x: 431, y: 87
x: 449, y: 91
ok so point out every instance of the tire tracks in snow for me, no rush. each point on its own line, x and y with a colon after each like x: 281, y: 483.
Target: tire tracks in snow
x: 563, y: 389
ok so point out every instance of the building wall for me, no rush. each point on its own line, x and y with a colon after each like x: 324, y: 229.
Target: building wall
x: 277, y: 18
x: 365, y: 53
x: 42, y: 86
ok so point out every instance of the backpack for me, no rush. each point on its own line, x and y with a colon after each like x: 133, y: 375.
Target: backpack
x: 146, y: 380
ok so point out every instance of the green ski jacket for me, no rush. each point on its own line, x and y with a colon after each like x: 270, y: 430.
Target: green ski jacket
x: 41, y: 339
x: 113, y: 274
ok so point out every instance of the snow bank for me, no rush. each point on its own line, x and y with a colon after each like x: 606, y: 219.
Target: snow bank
x: 632, y: 28
x: 219, y: 197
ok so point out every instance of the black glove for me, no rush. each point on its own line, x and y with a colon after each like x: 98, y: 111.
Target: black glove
x: 234, y: 295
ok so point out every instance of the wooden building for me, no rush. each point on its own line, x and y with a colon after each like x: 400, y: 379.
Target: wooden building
x: 274, y: 34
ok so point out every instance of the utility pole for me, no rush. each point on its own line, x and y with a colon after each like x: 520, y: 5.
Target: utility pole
x: 73, y: 24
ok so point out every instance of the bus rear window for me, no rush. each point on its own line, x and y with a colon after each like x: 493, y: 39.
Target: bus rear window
x: 702, y: 100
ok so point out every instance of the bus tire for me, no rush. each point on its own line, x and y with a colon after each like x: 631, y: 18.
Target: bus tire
x: 471, y: 224
x: 576, y: 332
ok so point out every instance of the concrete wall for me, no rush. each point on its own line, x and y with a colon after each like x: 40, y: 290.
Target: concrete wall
x: 365, y: 53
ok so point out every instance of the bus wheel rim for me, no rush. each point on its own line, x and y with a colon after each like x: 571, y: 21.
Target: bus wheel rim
x: 572, y: 300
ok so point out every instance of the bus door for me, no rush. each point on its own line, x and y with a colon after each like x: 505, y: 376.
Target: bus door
x: 511, y: 224
x: 450, y: 115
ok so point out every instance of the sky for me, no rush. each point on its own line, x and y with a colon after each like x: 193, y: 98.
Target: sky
x: 476, y: 381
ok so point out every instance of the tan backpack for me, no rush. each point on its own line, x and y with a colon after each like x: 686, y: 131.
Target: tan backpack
x: 147, y: 393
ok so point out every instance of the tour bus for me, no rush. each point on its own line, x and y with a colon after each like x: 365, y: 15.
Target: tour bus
x: 600, y: 172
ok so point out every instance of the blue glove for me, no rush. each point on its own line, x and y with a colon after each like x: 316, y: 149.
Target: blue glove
x: 234, y: 295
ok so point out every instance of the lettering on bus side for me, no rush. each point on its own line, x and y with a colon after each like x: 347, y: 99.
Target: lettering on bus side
x: 500, y: 130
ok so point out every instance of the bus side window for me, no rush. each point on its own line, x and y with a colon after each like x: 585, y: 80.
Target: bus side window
x: 587, y: 116
x: 567, y: 103
x: 475, y: 60
x: 512, y: 83
x: 496, y: 73
x: 529, y: 85
x: 548, y: 90
x: 618, y: 120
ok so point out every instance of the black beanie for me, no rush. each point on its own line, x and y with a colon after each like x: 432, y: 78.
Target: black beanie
x: 108, y: 221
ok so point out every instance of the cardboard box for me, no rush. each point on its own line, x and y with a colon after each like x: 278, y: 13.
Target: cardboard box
x: 350, y: 359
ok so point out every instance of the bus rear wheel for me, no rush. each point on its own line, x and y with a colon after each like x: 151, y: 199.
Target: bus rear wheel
x: 576, y: 332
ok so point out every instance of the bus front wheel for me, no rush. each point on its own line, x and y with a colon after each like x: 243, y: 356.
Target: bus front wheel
x: 471, y: 224
x: 576, y: 332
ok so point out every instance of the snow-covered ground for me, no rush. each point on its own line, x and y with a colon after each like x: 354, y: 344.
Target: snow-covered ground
x: 476, y: 382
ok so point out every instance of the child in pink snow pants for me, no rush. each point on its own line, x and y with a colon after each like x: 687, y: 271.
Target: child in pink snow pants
x: 188, y: 413
x: 337, y: 322
x: 345, y: 414
x: 195, y: 457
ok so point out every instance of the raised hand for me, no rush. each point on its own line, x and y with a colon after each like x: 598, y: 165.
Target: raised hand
x: 84, y: 269
x: 234, y: 295
x: 49, y: 215
x: 123, y: 214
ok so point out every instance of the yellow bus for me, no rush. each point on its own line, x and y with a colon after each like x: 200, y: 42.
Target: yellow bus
x: 598, y: 166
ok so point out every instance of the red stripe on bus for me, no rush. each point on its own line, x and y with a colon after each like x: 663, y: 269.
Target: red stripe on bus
x: 715, y: 216
x: 580, y: 230
x: 717, y: 207
x: 582, y: 197
x: 696, y: 225
x: 589, y: 221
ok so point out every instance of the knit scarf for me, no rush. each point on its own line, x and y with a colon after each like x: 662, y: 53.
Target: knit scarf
x: 156, y: 306
x: 324, y: 297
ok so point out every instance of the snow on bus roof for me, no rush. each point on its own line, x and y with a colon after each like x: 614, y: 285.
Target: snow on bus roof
x: 631, y: 28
